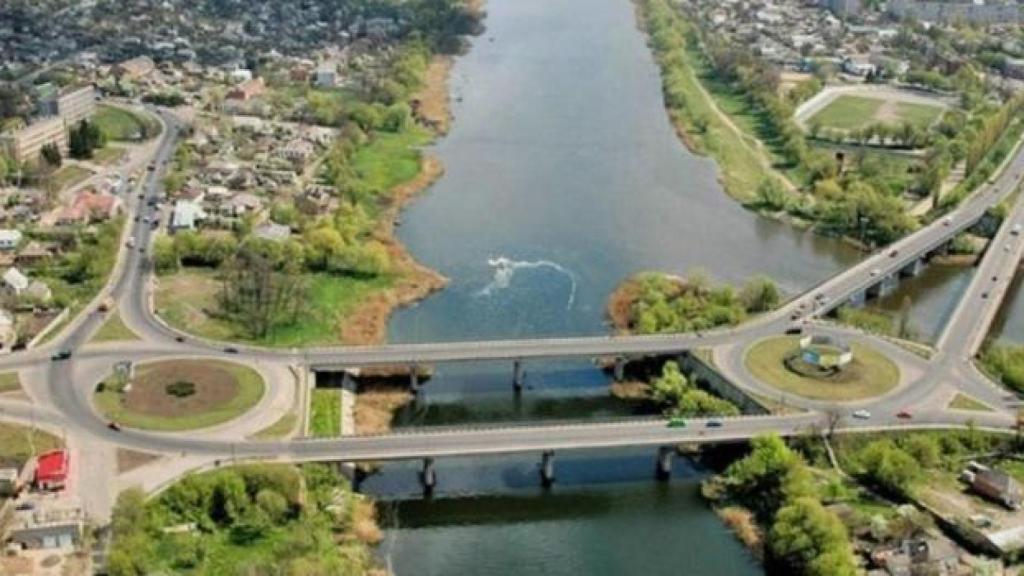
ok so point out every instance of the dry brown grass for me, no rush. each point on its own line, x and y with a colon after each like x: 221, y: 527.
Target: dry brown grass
x: 741, y: 522
x: 375, y: 408
x: 631, y: 390
x: 128, y: 460
x: 431, y: 102
x: 364, y: 522
x: 620, y: 305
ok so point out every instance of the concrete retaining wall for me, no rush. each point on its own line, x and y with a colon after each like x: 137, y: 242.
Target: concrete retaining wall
x: 699, y: 371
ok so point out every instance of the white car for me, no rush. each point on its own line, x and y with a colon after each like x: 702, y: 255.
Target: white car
x: 947, y: 220
x: 862, y: 414
x: 875, y: 272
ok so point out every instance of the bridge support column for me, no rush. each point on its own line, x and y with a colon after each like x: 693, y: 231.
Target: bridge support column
x: 414, y: 378
x: 517, y: 375
x: 913, y: 269
x: 547, y: 468
x: 619, y: 371
x: 663, y: 469
x: 358, y: 476
x: 858, y: 299
x: 428, y: 476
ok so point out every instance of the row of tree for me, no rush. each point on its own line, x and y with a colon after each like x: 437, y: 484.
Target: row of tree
x: 677, y: 396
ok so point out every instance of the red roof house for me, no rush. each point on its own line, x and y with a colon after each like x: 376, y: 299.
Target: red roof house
x: 52, y: 470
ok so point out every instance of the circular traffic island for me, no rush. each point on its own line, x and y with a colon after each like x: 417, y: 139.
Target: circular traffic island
x: 177, y: 395
x: 819, y: 368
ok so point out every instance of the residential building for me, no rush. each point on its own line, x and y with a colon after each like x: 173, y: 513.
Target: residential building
x: 9, y: 238
x: 843, y: 8
x: 297, y: 150
x: 135, y: 68
x: 8, y: 482
x: 326, y: 75
x: 90, y: 206
x: 919, y: 556
x: 35, y: 252
x: 859, y: 66
x: 998, y: 486
x: 49, y: 528
x: 272, y: 231
x: 14, y: 282
x: 52, y: 470
x: 25, y: 144
x: 186, y: 215
x: 976, y: 11
x: 247, y: 90
x: 76, y: 105
x: 1014, y: 68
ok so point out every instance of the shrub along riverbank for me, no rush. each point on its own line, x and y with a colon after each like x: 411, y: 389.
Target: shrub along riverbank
x: 652, y: 302
x: 251, y: 519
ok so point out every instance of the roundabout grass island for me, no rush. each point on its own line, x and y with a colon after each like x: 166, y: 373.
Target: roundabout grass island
x: 178, y: 395
x: 779, y: 362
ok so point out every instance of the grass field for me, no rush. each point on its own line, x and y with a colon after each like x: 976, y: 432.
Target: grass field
x: 185, y: 299
x: 112, y: 330
x: 9, y: 382
x: 279, y: 429
x: 325, y: 413
x: 19, y: 443
x: 223, y: 391
x: 118, y: 123
x: 964, y: 402
x: 870, y: 374
x: 848, y: 112
x: 391, y: 158
x: 68, y: 176
x: 108, y: 155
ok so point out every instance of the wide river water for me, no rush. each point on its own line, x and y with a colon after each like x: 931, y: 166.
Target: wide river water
x: 564, y: 177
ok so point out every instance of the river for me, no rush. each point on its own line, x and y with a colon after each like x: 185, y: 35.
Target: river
x: 563, y: 177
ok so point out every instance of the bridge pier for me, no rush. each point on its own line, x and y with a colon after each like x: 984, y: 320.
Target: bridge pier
x: 517, y: 375
x: 663, y: 469
x: 428, y: 476
x: 619, y: 372
x: 414, y: 378
x: 547, y: 468
x: 858, y: 299
x: 913, y: 269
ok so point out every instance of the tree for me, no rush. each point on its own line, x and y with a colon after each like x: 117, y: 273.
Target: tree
x: 808, y: 539
x: 768, y: 476
x: 759, y: 294
x: 771, y: 195
x: 669, y: 388
x: 260, y: 291
x: 51, y: 154
x: 888, y: 467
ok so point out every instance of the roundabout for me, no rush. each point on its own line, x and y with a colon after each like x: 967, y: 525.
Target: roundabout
x: 178, y: 395
x: 822, y: 369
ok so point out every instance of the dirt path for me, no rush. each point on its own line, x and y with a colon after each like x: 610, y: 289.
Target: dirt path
x: 757, y: 149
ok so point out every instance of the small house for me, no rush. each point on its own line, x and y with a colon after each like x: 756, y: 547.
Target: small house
x: 998, y: 486
x: 9, y: 238
x: 52, y: 470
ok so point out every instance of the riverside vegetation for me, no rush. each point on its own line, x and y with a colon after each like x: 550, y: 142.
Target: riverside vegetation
x: 782, y: 172
x: 251, y: 519
x: 340, y: 275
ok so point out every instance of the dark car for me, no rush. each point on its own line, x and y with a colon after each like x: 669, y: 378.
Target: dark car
x: 903, y: 415
x: 984, y: 295
x: 231, y: 350
x: 714, y: 424
x: 894, y: 253
x: 179, y: 338
x: 61, y: 355
x: 794, y: 330
x: 114, y: 426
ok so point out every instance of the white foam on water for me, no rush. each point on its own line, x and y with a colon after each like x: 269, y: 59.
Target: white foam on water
x: 505, y: 269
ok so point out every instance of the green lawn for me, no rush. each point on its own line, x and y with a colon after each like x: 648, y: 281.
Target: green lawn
x: 9, y: 382
x: 280, y: 429
x: 250, y: 390
x: 112, y: 330
x: 325, y: 413
x: 19, y: 443
x: 184, y: 300
x: 118, y: 123
x: 964, y: 402
x: 870, y: 374
x: 391, y: 158
x: 68, y: 176
x: 108, y: 155
x: 848, y: 112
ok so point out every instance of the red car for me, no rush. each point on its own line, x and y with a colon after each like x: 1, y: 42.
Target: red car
x: 903, y: 415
